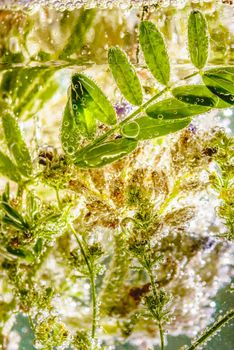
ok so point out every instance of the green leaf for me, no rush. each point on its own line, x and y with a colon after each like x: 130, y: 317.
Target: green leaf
x: 28, y: 88
x: 40, y: 98
x: 6, y: 193
x: 150, y: 128
x: 154, y: 50
x: 195, y: 95
x: 20, y: 253
x: 87, y: 103
x: 10, y: 221
x: 106, y: 153
x: 12, y: 213
x: 77, y: 37
x: 220, y: 81
x: 17, y: 252
x: 125, y: 76
x: 172, y: 108
x: 198, y: 41
x: 70, y: 132
x: 38, y: 246
x: 16, y: 143
x: 9, y: 169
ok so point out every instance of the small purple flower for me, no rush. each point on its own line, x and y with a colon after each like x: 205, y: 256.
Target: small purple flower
x: 123, y: 108
x: 192, y: 128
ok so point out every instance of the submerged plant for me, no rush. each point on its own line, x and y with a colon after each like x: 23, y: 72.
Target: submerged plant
x: 119, y: 252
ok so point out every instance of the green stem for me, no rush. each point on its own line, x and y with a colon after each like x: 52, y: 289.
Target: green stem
x: 161, y: 336
x: 92, y: 283
x: 212, y: 330
x: 94, y: 303
x: 20, y: 191
x: 191, y: 75
x: 19, y: 194
x: 142, y: 107
x: 58, y: 198
x: 155, y: 293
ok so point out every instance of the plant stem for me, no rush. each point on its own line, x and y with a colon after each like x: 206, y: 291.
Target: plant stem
x: 19, y: 194
x: 212, y: 330
x: 155, y: 293
x: 58, y: 198
x: 94, y: 303
x: 92, y: 284
x: 191, y: 75
x: 143, y: 106
x: 161, y: 336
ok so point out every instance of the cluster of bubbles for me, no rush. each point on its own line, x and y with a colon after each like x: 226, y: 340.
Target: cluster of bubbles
x: 63, y: 5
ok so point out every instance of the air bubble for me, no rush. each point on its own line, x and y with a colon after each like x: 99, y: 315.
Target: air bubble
x: 70, y: 150
x: 160, y: 116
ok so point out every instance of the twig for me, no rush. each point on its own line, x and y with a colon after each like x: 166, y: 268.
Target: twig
x: 92, y: 283
x: 212, y: 330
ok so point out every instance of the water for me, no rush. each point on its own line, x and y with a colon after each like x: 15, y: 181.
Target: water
x: 42, y: 43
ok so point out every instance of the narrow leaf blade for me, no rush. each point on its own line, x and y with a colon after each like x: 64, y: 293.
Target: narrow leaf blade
x: 16, y: 144
x: 195, y: 95
x: 125, y: 76
x: 8, y: 168
x: 106, y: 153
x: 172, y: 108
x: 154, y: 50
x: 220, y: 81
x: 198, y: 41
x: 11, y: 212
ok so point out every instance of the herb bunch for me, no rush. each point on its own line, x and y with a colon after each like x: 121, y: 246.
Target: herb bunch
x: 120, y: 230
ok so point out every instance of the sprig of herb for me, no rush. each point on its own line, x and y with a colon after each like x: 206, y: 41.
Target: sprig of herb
x: 190, y: 99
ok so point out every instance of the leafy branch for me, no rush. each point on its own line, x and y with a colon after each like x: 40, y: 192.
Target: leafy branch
x: 91, y: 255
x: 87, y: 104
x: 157, y: 301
